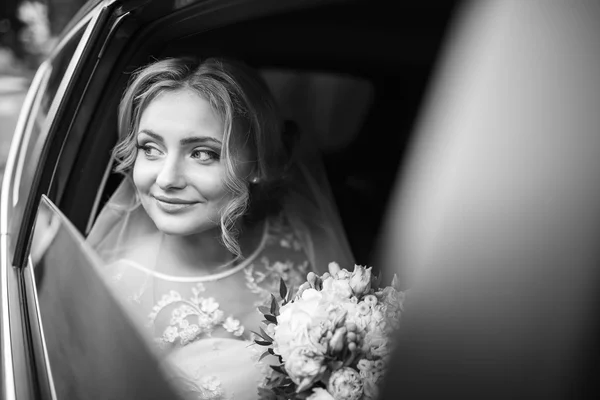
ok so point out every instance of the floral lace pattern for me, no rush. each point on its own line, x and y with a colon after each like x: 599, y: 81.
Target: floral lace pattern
x: 204, y: 311
x: 265, y: 281
x: 188, y: 312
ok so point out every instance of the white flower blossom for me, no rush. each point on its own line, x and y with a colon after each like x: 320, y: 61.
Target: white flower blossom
x: 234, y: 326
x: 304, y: 366
x: 294, y: 321
x: 345, y: 384
x: 170, y: 334
x: 320, y: 394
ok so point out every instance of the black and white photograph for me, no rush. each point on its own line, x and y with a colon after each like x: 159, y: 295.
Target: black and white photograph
x: 299, y: 199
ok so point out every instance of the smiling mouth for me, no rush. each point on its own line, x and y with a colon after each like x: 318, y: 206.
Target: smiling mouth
x: 172, y: 205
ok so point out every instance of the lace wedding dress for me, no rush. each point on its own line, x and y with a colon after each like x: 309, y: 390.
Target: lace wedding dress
x: 202, y: 325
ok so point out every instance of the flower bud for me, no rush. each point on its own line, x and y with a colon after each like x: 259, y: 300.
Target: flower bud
x: 371, y: 300
x: 336, y: 344
x: 302, y: 288
x: 360, y: 280
x: 340, y: 319
x: 363, y: 308
x: 334, y: 268
x: 311, y: 277
x: 351, y: 336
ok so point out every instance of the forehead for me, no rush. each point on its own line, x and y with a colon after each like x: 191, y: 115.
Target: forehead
x: 181, y: 112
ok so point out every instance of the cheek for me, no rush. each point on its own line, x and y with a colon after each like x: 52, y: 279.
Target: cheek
x: 143, y: 176
x: 211, y: 185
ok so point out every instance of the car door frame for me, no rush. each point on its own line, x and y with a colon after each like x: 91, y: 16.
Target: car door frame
x: 24, y: 369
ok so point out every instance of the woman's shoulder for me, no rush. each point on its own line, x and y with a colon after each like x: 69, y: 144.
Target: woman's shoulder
x: 285, y: 234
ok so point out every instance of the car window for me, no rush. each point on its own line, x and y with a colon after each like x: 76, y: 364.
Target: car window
x: 79, y: 318
x: 53, y: 73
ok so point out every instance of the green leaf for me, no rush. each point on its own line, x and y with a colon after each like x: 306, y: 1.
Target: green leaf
x: 261, y: 335
x: 263, y: 342
x: 271, y: 318
x: 266, y: 394
x: 283, y: 290
x: 264, y: 321
x: 265, y: 310
x: 274, y: 306
x: 263, y: 355
x: 265, y: 335
x: 278, y: 368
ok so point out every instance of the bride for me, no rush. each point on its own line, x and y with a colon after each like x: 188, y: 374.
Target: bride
x: 218, y: 203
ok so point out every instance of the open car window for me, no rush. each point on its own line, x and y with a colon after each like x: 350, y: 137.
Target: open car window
x: 79, y: 319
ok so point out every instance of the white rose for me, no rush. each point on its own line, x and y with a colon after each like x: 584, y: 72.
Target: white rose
x: 336, y: 289
x: 345, y: 384
x: 304, y: 366
x: 320, y: 394
x: 294, y: 321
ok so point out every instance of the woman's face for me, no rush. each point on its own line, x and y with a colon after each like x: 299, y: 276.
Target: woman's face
x: 178, y: 171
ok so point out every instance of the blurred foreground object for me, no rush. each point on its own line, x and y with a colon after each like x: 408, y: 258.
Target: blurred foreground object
x: 496, y: 223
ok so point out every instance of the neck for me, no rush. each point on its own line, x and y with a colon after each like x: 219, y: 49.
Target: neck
x: 193, y: 254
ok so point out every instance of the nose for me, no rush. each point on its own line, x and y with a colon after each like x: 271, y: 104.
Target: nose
x: 171, y: 174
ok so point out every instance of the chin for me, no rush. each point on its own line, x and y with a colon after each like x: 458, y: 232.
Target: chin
x: 181, y: 227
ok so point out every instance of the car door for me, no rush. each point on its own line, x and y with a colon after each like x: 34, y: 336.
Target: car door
x: 41, y: 106
x: 37, y: 141
x: 90, y: 347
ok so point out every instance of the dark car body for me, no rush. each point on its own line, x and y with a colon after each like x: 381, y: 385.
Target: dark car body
x: 61, y: 148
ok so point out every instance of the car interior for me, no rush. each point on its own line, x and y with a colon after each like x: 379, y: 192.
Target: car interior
x: 353, y: 74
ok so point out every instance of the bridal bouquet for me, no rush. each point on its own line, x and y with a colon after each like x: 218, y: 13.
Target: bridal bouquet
x: 332, y: 339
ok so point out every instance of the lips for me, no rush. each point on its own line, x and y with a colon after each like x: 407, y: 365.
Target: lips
x: 173, y: 204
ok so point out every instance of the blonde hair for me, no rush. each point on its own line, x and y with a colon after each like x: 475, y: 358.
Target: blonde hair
x: 242, y: 99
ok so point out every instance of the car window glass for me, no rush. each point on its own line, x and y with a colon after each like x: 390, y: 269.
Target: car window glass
x: 39, y: 121
x: 80, y: 320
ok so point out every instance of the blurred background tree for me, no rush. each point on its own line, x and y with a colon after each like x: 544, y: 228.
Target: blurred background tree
x: 28, y: 31
x: 60, y: 13
x: 28, y: 28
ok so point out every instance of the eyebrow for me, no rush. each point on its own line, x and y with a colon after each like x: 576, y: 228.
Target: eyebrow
x: 184, y: 141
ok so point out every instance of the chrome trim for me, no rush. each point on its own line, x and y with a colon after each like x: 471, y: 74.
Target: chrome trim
x: 62, y: 88
x: 15, y: 147
x: 8, y: 376
x: 46, y: 68
x: 41, y: 327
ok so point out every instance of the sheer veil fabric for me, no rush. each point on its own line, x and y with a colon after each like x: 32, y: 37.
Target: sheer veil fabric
x: 202, y: 324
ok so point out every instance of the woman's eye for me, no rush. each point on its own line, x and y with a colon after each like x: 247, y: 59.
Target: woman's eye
x: 204, y: 155
x: 149, y: 151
